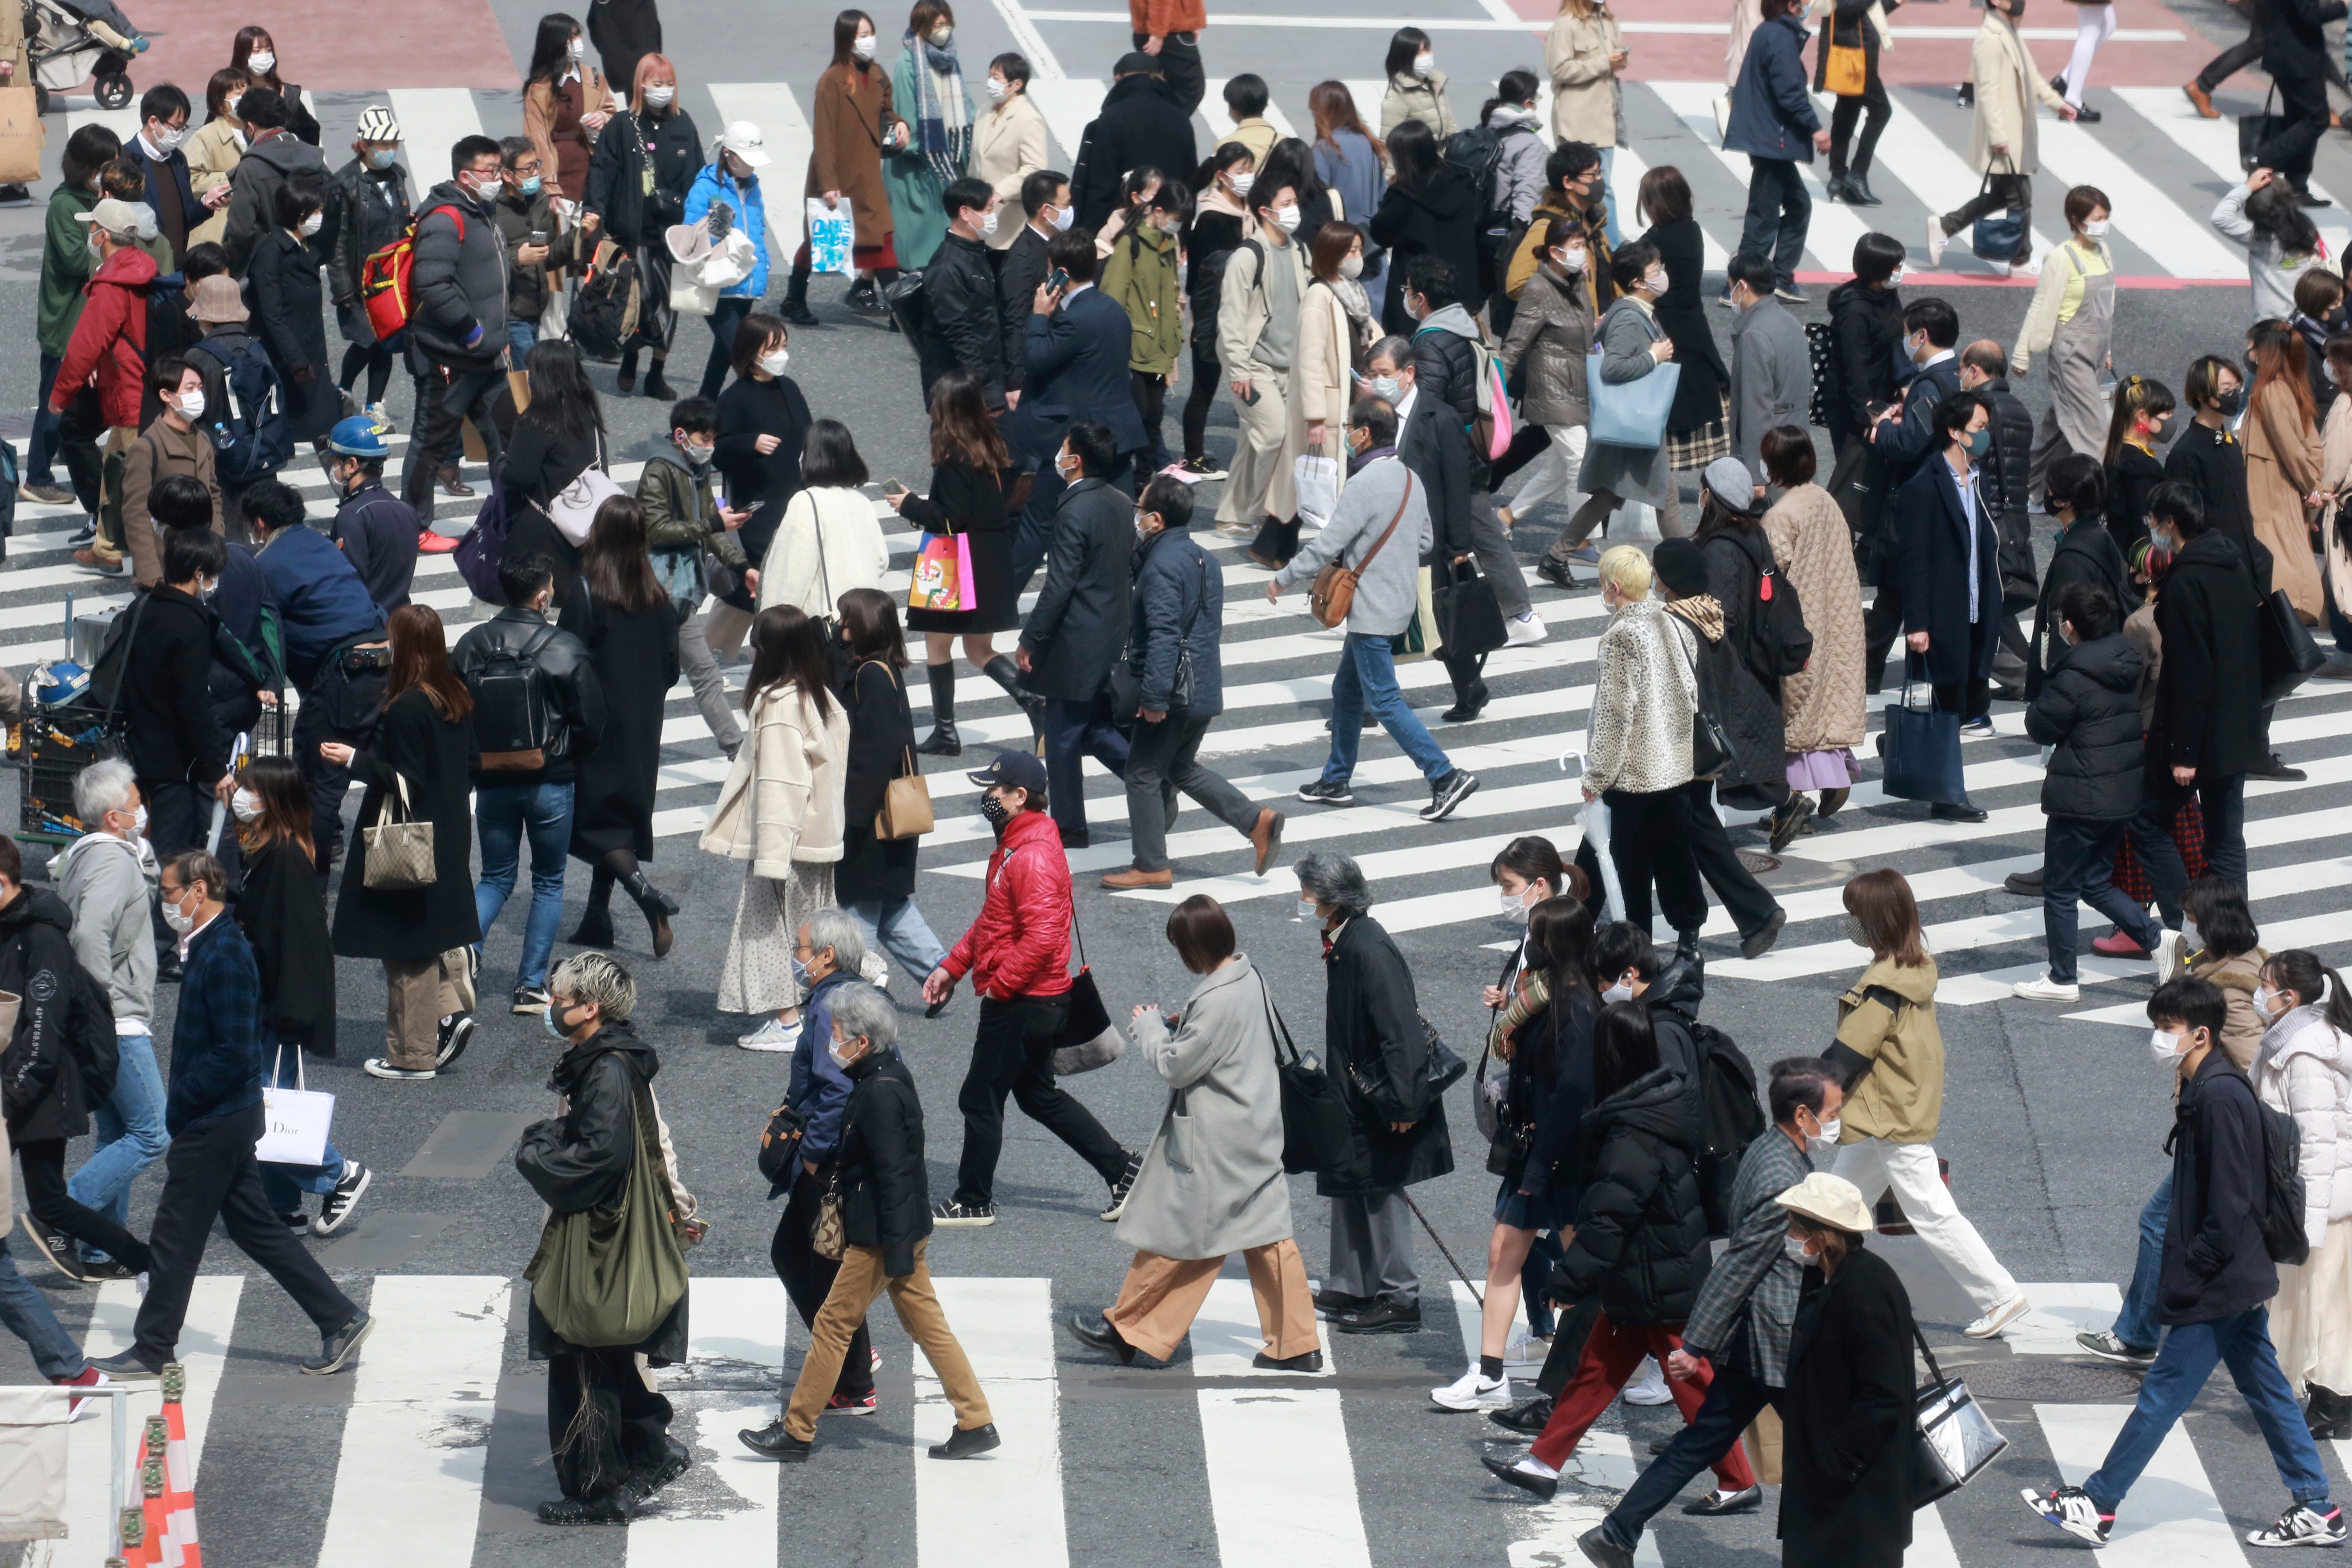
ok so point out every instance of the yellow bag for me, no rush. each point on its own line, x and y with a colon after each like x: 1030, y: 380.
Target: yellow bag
x: 1848, y: 71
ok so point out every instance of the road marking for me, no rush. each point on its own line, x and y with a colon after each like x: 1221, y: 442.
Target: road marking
x: 2061, y: 1312
x: 205, y: 1335
x: 1929, y: 163
x: 736, y: 1326
x: 1265, y: 1449
x: 433, y: 121
x: 2173, y: 1520
x: 1070, y: 106
x: 1004, y: 1508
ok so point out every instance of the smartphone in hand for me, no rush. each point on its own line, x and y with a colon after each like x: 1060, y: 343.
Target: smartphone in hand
x: 1057, y: 279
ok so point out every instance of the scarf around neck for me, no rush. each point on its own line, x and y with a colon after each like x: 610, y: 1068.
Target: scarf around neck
x: 942, y: 120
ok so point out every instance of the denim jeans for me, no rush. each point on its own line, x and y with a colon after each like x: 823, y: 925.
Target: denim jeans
x: 2242, y: 1343
x: 131, y: 1135
x: 520, y: 336
x: 2136, y: 1324
x: 26, y: 1314
x: 2223, y: 802
x: 284, y: 1185
x: 1734, y: 1399
x: 2077, y: 856
x: 1780, y: 211
x: 504, y: 814
x: 898, y: 929
x: 1366, y: 678
x: 1609, y: 196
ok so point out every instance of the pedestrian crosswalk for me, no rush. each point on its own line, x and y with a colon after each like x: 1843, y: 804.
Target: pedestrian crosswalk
x: 414, y: 1444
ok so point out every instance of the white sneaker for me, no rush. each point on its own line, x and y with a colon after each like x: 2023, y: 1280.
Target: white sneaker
x: 1999, y: 1318
x: 1523, y: 631
x: 2045, y: 989
x: 1937, y: 240
x: 772, y: 1035
x: 1526, y: 1350
x: 1472, y: 1391
x: 1650, y: 1386
x: 2171, y: 955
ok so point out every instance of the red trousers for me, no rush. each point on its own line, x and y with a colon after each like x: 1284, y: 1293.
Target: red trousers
x: 1610, y: 1354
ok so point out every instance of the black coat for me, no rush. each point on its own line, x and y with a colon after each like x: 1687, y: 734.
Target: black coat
x: 2085, y: 553
x: 167, y: 692
x: 2294, y: 37
x: 748, y: 409
x: 624, y: 32
x: 437, y: 758
x: 541, y: 459
x: 963, y: 318
x: 1931, y: 563
x: 1019, y: 272
x: 283, y: 292
x: 1746, y: 697
x: 1440, y: 220
x: 580, y: 1160
x: 2208, y: 690
x: 2214, y: 465
x: 886, y: 1191
x: 2134, y: 477
x: 1374, y: 1038
x: 881, y: 743
x: 367, y: 209
x: 2088, y: 708
x: 1139, y: 125
x: 1845, y: 1419
x: 2215, y: 1264
x: 1682, y: 311
x: 1865, y: 326
x: 617, y: 170
x: 971, y: 501
x: 1434, y: 441
x: 1080, y: 620
x: 50, y: 1072
x: 285, y: 919
x: 2008, y: 468
x: 634, y: 656
x: 1641, y: 1227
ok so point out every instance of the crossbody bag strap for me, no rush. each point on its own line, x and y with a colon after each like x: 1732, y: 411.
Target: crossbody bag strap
x: 130, y: 647
x: 1933, y: 1371
x: 911, y: 768
x: 1273, y: 1017
x: 1402, y: 502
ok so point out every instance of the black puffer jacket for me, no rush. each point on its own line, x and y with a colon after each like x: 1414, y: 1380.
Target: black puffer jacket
x: 2089, y: 709
x: 1865, y: 325
x: 1749, y: 703
x: 1140, y: 124
x: 886, y: 1193
x: 2085, y: 553
x: 458, y: 276
x: 1641, y: 1231
x: 2002, y: 477
x: 52, y: 1070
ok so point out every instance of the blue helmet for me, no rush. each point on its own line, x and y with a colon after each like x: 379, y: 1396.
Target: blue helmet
x: 358, y: 436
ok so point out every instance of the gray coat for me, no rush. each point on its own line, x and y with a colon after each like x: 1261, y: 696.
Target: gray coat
x: 1552, y: 332
x: 107, y: 882
x: 1080, y: 621
x: 1628, y: 473
x: 1388, y: 592
x: 1772, y: 378
x: 253, y: 193
x: 1211, y: 1182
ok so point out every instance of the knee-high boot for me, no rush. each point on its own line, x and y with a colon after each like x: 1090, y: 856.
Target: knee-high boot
x: 942, y: 741
x: 1007, y: 674
x: 595, y: 928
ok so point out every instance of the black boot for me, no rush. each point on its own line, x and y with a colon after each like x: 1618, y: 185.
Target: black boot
x: 655, y: 386
x: 796, y: 309
x: 1007, y: 674
x: 2329, y: 1416
x: 657, y: 906
x: 941, y: 741
x: 595, y: 928
x: 627, y: 379
x: 1857, y: 190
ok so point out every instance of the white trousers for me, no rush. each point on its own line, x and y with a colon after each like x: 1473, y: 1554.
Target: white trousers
x: 1555, y: 470
x: 1874, y: 1166
x: 2094, y: 25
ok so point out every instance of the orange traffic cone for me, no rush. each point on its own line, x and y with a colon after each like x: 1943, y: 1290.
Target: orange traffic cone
x: 141, y: 1547
x: 178, y: 1479
x: 151, y: 1487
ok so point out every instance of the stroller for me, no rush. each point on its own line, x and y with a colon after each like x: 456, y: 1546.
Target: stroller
x: 67, y: 42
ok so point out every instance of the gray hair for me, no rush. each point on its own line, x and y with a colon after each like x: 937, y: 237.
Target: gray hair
x: 1397, y: 351
x: 859, y: 1008
x: 596, y: 977
x: 1331, y: 877
x: 102, y: 787
x: 838, y: 930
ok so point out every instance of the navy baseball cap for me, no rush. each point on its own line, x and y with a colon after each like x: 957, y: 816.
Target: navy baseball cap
x: 1012, y: 770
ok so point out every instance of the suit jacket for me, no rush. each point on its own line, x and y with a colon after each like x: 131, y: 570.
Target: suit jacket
x: 1931, y: 563
x: 1080, y: 622
x: 1018, y: 272
x: 1076, y: 363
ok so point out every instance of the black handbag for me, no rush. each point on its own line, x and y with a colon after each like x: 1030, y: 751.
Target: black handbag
x: 2255, y: 130
x: 780, y: 1145
x: 1469, y: 616
x: 1088, y: 1039
x: 2288, y: 651
x: 1317, y: 1131
x: 1127, y: 680
x: 1712, y: 751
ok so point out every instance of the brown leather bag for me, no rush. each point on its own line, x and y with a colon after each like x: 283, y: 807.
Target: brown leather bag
x: 1335, y: 586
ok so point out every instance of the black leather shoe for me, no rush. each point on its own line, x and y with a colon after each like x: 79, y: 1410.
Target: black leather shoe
x: 1505, y: 1468
x: 1553, y: 572
x: 1330, y: 1304
x: 1599, y: 1550
x: 611, y: 1508
x: 1100, y: 1333
x: 2276, y: 767
x: 1473, y: 703
x: 1948, y: 811
x: 1077, y: 838
x: 1381, y: 1318
x: 1746, y: 1500
x: 1529, y: 1415
x: 966, y: 1441
x: 1760, y: 941
x: 1309, y: 1361
x: 2024, y: 884
x: 772, y: 1442
x: 1857, y: 191
x: 1788, y: 817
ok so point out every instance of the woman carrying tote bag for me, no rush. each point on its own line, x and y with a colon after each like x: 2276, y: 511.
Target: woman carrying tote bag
x: 875, y: 878
x: 1633, y: 348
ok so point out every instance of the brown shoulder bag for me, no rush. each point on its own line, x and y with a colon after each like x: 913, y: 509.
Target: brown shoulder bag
x: 1335, y: 586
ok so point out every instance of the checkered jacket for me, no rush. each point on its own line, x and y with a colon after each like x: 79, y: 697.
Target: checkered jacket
x: 1754, y: 1282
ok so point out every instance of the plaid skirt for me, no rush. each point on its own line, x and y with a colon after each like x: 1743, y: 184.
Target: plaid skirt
x: 1697, y: 448
x: 2188, y: 836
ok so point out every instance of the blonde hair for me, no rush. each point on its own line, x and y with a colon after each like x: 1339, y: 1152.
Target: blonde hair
x: 1625, y: 565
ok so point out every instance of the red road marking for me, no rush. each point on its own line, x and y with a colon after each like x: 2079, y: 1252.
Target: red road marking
x: 329, y: 46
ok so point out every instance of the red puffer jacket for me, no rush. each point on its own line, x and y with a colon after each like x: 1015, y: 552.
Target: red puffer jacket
x: 111, y: 339
x: 1020, y: 945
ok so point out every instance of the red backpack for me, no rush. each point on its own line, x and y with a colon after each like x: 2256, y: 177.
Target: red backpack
x: 385, y: 293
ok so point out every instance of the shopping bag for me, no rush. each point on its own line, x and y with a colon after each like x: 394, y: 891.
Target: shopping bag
x: 608, y: 1274
x: 1595, y: 818
x: 832, y: 236
x: 1923, y: 746
x: 1763, y: 1440
x: 1420, y: 633
x: 22, y: 136
x: 294, y: 1121
x: 942, y: 567
x: 1316, y: 480
x: 1468, y: 617
x: 1631, y: 412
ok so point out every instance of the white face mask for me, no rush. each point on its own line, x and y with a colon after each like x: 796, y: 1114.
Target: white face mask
x: 170, y: 139
x: 1795, y: 1248
x: 261, y: 62
x: 942, y: 36
x: 987, y: 225
x: 577, y: 49
x: 660, y: 97
x: 1287, y: 219
x: 2193, y: 939
x: 1423, y: 62
x: 997, y: 88
x: 697, y: 453
x: 1654, y: 282
x: 1142, y: 529
x: 774, y: 363
x: 245, y: 804
x: 1241, y: 182
x: 181, y: 923
x: 487, y: 188
x: 1062, y: 217
x: 2164, y: 1048
x: 1352, y: 266
x: 1830, y: 1130
x: 863, y: 47
x: 840, y: 1061
x: 2094, y: 228
x: 1515, y: 905
x: 1308, y: 911
x: 139, y: 823
x: 1621, y: 991
x: 312, y: 224
x: 2266, y: 1003
x: 192, y: 403
x: 1387, y: 388
x: 1570, y: 259
x: 228, y: 104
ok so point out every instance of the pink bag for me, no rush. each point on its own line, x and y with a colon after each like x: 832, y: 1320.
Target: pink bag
x: 942, y: 574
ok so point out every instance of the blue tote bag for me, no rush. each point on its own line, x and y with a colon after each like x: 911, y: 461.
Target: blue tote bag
x: 1631, y: 412
x: 1923, y: 746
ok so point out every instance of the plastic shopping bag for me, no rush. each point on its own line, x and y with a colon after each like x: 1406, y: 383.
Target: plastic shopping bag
x: 1595, y: 819
x: 1316, y: 480
x: 832, y: 236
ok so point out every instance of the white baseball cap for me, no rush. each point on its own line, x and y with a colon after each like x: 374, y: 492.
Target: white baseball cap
x: 118, y: 217
x: 743, y: 139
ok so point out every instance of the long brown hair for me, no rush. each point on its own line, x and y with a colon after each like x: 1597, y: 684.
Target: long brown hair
x: 960, y: 427
x: 620, y: 571
x: 241, y: 52
x: 788, y: 646
x: 1334, y: 109
x: 2277, y: 352
x: 869, y: 625
x: 1882, y: 903
x: 1333, y: 241
x: 420, y: 661
x: 285, y: 807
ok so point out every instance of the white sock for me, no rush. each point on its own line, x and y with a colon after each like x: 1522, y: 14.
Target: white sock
x: 1529, y: 1465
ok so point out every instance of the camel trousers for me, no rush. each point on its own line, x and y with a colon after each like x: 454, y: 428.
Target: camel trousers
x: 858, y: 1285
x: 1163, y: 1295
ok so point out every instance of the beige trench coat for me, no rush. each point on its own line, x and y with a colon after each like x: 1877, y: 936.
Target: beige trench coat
x: 1008, y: 145
x: 1822, y: 704
x: 1322, y: 377
x: 2282, y: 465
x: 2008, y: 86
x: 1584, y: 88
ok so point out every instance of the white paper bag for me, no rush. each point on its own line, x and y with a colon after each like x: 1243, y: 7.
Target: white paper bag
x: 294, y: 1121
x: 832, y: 236
x: 1316, y: 480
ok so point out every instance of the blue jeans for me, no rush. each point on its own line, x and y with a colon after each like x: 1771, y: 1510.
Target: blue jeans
x: 2190, y: 1351
x: 520, y: 336
x: 1733, y: 1399
x: 1367, y: 679
x: 28, y: 1315
x: 284, y: 1185
x: 1609, y: 191
x: 2077, y: 856
x: 898, y: 929
x: 1073, y: 731
x: 2136, y: 1324
x: 1533, y: 1275
x: 131, y: 1135
x: 504, y: 814
x: 1780, y: 211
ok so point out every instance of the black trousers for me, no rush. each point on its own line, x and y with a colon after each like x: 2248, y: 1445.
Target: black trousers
x: 1151, y: 406
x: 80, y: 428
x: 2303, y: 106
x: 445, y: 395
x: 1650, y: 839
x: 1880, y: 625
x: 1182, y: 75
x: 1744, y: 898
x: 808, y: 1280
x: 209, y: 1173
x: 2237, y: 57
x: 1872, y: 98
x: 2002, y: 192
x: 1013, y: 1054
x: 1970, y: 699
x: 1734, y: 1398
x: 603, y: 1422
x: 338, y: 707
x: 1206, y: 375
x: 44, y: 1164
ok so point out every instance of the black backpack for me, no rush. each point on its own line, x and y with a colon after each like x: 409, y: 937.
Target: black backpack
x: 251, y: 435
x: 604, y: 310
x: 511, y: 722
x: 1730, y: 1118
x: 1478, y: 153
x: 2281, y: 1217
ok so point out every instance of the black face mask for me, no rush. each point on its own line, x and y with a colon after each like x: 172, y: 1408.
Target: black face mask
x: 993, y: 808
x: 2233, y: 402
